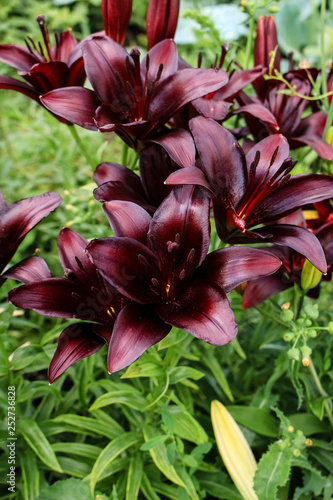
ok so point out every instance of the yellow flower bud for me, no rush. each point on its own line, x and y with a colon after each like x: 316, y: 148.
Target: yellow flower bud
x: 234, y: 450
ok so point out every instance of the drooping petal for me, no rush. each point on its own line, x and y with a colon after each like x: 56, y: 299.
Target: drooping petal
x: 222, y: 159
x: 116, y: 190
x: 75, y: 104
x: 189, y: 176
x: 202, y: 310
x: 257, y: 291
x: 107, y: 171
x: 179, y: 145
x: 237, y: 81
x: 116, y: 17
x: 18, y: 57
x: 162, y: 18
x: 18, y: 219
x: 76, y: 342
x: 128, y: 265
x: 7, y: 82
x: 179, y: 231
x: 299, y: 239
x: 182, y: 87
x: 136, y: 328
x: 321, y: 147
x: 29, y: 270
x: 261, y: 112
x: 57, y: 297
x: 231, y: 266
x: 128, y: 219
x: 214, y: 108
x: 47, y: 76
x: 299, y: 191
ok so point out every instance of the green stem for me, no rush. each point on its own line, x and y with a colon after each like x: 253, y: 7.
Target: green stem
x: 321, y: 391
x: 124, y: 155
x: 81, y: 146
x: 248, y: 48
x: 134, y: 161
x: 271, y: 316
x: 329, y: 119
x: 297, y: 302
x: 322, y: 48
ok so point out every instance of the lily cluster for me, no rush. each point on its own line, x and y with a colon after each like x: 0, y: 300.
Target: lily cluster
x: 156, y: 271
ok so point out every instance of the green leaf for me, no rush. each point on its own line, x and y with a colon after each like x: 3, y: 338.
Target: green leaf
x: 155, y: 441
x: 134, y: 477
x: 110, y: 452
x: 38, y: 443
x: 66, y: 490
x: 147, y: 489
x: 186, y: 426
x: 160, y: 457
x: 273, y: 471
x: 30, y: 474
x: 80, y: 449
x: 143, y: 369
x: 173, y: 338
x: 217, y: 490
x: 73, y: 467
x: 215, y: 367
x: 313, y: 481
x: 90, y: 425
x: 132, y: 399
x: 308, y: 423
x: 324, y: 457
x: 258, y: 420
x: 181, y: 373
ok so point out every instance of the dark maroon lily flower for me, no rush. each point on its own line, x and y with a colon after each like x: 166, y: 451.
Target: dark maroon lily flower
x: 254, y: 189
x: 274, y: 113
x: 44, y: 67
x: 319, y: 214
x: 82, y: 294
x: 116, y: 182
x: 132, y: 99
x: 17, y: 219
x: 257, y: 291
x: 171, y: 280
x: 116, y: 17
x: 162, y: 19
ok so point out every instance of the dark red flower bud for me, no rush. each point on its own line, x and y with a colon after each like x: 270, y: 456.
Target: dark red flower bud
x: 162, y: 18
x: 116, y: 17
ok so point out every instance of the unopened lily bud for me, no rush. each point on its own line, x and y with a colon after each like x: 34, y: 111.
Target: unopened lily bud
x: 310, y: 276
x: 234, y: 450
x: 116, y: 17
x: 265, y: 42
x: 329, y: 136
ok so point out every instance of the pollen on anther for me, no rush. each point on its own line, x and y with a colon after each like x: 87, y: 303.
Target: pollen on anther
x: 154, y: 282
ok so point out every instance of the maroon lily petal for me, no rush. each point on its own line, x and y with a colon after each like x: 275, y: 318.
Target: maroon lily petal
x: 116, y: 190
x: 67, y: 50
x: 72, y: 252
x: 76, y: 75
x: 75, y: 342
x: 18, y: 57
x: 179, y: 231
x: 18, y: 219
x: 7, y: 82
x: 108, y: 171
x: 322, y: 148
x: 275, y: 143
x: 182, y: 87
x: 261, y: 112
x: 259, y: 290
x: 135, y: 330
x: 214, y: 108
x: 116, y: 17
x: 57, y: 297
x: 128, y: 265
x: 179, y: 145
x: 204, y: 311
x: 231, y: 266
x: 47, y: 76
x: 29, y: 270
x: 222, y: 159
x: 163, y: 56
x: 105, y: 63
x: 75, y: 104
x: 299, y: 239
x: 162, y: 18
x: 128, y: 219
x: 237, y: 81
x: 300, y: 190
x: 188, y: 176
x: 265, y: 42
x: 325, y: 236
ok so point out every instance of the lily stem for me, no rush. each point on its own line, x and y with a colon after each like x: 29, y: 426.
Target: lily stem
x: 248, y: 48
x: 321, y: 391
x: 322, y: 49
x: 81, y: 146
x: 124, y: 155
